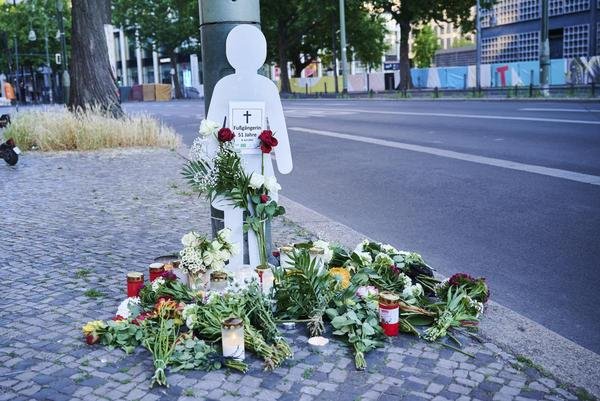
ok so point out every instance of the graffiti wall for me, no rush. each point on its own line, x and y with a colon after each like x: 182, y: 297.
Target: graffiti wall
x: 578, y: 71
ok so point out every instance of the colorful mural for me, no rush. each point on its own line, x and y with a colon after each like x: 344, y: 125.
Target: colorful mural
x: 578, y: 71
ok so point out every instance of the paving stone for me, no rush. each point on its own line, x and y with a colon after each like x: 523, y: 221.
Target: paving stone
x: 107, y: 212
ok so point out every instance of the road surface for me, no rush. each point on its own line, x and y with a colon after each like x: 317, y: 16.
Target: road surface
x: 506, y: 190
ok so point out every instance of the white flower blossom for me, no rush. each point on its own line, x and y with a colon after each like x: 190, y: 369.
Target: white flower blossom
x: 365, y: 257
x: 272, y: 185
x: 328, y: 252
x: 256, y: 180
x: 383, y: 260
x: 224, y: 234
x: 390, y: 250
x: 157, y: 283
x: 189, y: 239
x: 208, y: 127
x: 124, y: 307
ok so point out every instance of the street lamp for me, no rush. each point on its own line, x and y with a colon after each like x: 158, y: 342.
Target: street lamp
x: 63, y: 47
x: 32, y: 36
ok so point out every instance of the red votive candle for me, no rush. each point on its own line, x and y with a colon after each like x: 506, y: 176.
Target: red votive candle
x: 156, y: 270
x: 135, y: 282
x: 389, y: 313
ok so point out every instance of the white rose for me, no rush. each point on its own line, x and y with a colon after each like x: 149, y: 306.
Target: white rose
x: 216, y: 245
x: 224, y: 234
x: 272, y: 185
x: 390, y: 250
x: 257, y: 180
x: 189, y: 239
x: 208, y: 127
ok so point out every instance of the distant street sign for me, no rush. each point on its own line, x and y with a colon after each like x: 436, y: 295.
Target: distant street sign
x: 391, y: 66
x: 58, y: 58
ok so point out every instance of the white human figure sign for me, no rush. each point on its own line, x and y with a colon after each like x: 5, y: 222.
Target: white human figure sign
x: 246, y: 49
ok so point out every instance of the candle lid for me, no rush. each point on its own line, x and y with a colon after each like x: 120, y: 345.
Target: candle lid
x: 135, y: 276
x: 232, y: 323
x: 218, y: 276
x: 315, y: 250
x: 388, y: 298
x: 157, y: 266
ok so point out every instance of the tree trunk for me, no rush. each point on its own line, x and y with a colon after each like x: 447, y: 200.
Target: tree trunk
x: 176, y: 83
x: 299, y: 65
x: 92, y: 83
x: 282, y: 56
x: 405, y: 78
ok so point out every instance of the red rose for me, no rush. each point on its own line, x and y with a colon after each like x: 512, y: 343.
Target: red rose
x: 91, y: 339
x: 264, y: 198
x: 225, y: 135
x: 118, y: 318
x: 267, y: 141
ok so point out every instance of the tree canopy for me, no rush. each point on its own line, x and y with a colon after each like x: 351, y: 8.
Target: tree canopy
x: 41, y: 17
x: 409, y: 13
x: 424, y: 47
x: 171, y: 26
x: 301, y: 31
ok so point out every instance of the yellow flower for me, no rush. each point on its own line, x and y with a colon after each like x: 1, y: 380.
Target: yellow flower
x: 92, y: 327
x: 341, y: 275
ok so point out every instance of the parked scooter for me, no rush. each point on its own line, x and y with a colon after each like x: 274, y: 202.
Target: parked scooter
x: 8, y: 150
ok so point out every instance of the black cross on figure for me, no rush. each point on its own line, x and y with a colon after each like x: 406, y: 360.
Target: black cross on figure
x: 247, y: 115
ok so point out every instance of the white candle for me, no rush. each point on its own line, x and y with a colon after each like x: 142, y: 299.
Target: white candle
x: 232, y: 337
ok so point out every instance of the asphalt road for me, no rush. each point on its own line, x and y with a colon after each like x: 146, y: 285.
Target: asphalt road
x: 470, y: 196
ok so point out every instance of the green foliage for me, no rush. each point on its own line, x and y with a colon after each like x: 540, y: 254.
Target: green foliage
x: 301, y: 31
x: 193, y: 353
x: 304, y: 291
x: 93, y: 293
x: 122, y: 334
x: 425, y: 46
x: 462, y: 42
x: 225, y: 178
x: 161, y: 24
x: 39, y: 15
x: 358, y: 320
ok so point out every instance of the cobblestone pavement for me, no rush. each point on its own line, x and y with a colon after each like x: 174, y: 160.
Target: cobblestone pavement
x: 73, y: 224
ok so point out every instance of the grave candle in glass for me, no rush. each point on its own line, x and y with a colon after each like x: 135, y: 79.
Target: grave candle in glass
x: 135, y: 282
x: 389, y: 313
x: 218, y: 281
x: 232, y: 337
x: 267, y: 281
x: 156, y: 270
x: 318, y: 254
x: 284, y: 259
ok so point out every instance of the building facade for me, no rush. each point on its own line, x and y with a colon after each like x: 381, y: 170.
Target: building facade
x: 510, y: 30
x: 134, y: 65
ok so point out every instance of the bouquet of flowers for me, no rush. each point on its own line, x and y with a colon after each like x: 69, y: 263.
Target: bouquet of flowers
x: 200, y: 254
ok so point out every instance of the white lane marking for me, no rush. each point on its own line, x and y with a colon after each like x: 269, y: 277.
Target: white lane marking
x: 566, y: 110
x: 474, y: 116
x: 529, y: 168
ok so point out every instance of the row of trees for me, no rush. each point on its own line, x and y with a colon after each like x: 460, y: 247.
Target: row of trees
x: 297, y: 31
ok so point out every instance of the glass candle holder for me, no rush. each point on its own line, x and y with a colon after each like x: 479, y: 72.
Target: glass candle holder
x: 218, y: 281
x: 389, y: 313
x: 232, y: 338
x: 284, y: 256
x: 268, y: 279
x: 156, y: 270
x: 318, y: 254
x: 135, y: 282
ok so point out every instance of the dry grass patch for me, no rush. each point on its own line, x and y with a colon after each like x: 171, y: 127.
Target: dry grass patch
x: 59, y: 129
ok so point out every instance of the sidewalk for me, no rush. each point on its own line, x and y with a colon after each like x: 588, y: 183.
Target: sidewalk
x: 75, y: 223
